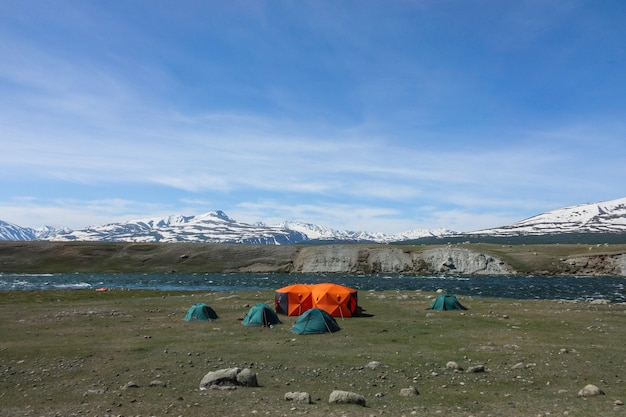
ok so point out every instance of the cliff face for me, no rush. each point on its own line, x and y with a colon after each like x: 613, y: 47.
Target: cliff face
x: 351, y: 259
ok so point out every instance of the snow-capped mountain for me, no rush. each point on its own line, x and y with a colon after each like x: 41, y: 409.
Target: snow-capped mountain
x: 217, y: 227
x: 316, y: 232
x: 10, y: 231
x: 603, y: 217
x: 214, y: 227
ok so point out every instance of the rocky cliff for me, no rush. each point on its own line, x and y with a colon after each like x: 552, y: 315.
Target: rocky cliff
x: 355, y: 260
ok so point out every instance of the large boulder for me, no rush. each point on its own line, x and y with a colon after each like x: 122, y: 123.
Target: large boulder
x: 231, y: 377
x: 346, y: 397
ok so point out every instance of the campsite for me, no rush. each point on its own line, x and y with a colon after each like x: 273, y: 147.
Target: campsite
x: 130, y: 353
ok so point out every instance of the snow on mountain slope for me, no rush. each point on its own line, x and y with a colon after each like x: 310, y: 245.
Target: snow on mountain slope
x: 315, y: 232
x: 10, y: 231
x: 217, y: 227
x: 603, y: 217
x: 214, y: 227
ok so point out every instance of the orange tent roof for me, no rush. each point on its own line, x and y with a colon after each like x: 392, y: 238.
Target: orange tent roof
x: 335, y: 299
x: 293, y: 300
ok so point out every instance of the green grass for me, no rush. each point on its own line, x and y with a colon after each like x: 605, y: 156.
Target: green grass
x: 71, y: 352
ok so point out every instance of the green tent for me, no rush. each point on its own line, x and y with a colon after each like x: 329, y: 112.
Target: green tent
x: 200, y: 312
x: 260, y: 315
x: 446, y: 302
x: 313, y: 321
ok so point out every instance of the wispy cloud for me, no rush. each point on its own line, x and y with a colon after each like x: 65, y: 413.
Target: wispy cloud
x: 361, y: 116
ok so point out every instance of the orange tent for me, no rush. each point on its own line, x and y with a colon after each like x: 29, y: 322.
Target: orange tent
x: 335, y: 299
x: 293, y: 300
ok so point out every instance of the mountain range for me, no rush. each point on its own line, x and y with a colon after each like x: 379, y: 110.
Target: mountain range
x: 217, y: 227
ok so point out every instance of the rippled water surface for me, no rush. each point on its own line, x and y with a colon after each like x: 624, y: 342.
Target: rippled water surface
x: 554, y: 287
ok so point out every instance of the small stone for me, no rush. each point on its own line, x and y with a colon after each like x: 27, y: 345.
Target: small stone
x: 619, y: 402
x: 409, y: 392
x: 476, y: 368
x: 590, y: 391
x: 453, y: 366
x: 374, y: 365
x: 298, y: 397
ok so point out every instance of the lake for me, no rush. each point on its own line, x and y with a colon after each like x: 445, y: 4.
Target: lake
x: 520, y: 287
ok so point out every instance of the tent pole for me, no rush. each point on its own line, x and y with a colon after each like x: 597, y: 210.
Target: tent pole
x: 327, y: 327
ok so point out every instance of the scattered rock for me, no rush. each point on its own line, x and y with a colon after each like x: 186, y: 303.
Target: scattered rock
x: 247, y: 378
x: 454, y: 366
x: 97, y: 391
x: 298, y: 397
x: 374, y: 365
x: 409, y: 392
x: 222, y: 387
x: 346, y: 397
x: 477, y: 368
x: 590, y: 391
x: 230, y: 376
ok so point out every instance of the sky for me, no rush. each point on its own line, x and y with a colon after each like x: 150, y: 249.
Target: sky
x: 383, y: 116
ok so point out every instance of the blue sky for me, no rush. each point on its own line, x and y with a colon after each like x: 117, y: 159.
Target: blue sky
x: 382, y: 116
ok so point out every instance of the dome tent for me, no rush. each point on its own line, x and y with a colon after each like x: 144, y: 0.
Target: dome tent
x: 315, y: 321
x: 293, y: 300
x: 446, y: 302
x: 335, y: 299
x: 200, y: 312
x: 260, y: 315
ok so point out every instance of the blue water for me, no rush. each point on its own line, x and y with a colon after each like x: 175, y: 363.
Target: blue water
x: 521, y: 287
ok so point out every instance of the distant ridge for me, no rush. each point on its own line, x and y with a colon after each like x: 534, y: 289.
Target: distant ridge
x: 604, y: 217
x: 211, y: 227
x: 603, y: 220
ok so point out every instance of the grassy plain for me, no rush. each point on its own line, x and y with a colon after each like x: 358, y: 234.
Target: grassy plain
x: 70, y: 353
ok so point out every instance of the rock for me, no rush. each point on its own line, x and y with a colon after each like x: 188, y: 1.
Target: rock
x: 222, y: 387
x: 476, y: 368
x: 619, y: 402
x: 247, y: 378
x: 463, y: 261
x: 157, y: 383
x: 346, y: 397
x: 454, y: 366
x: 374, y: 365
x: 230, y: 376
x: 519, y: 365
x: 131, y: 384
x: 409, y: 392
x: 298, y: 397
x: 590, y: 391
